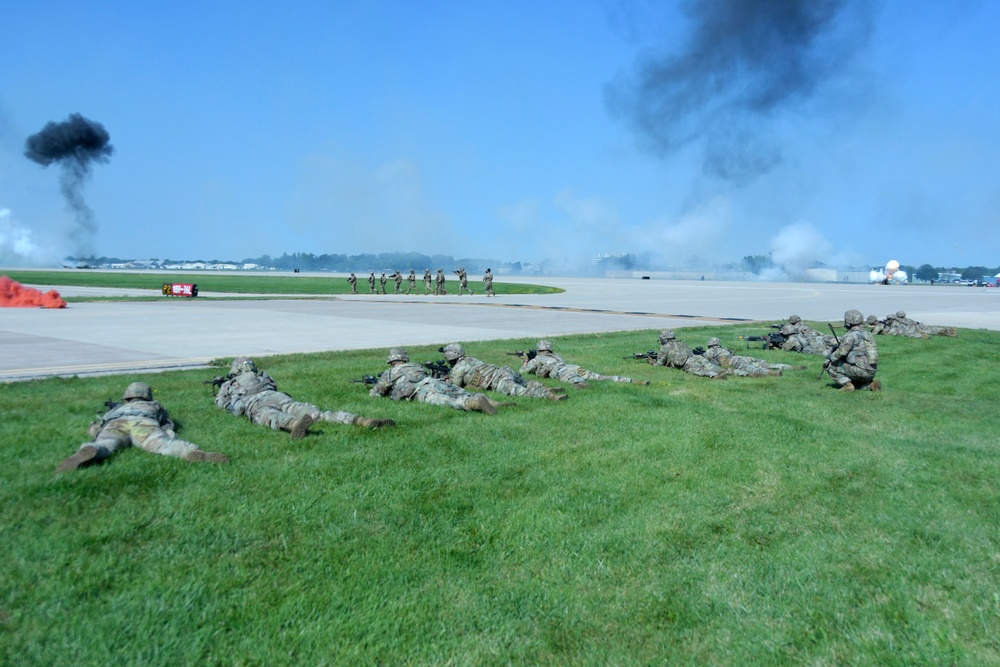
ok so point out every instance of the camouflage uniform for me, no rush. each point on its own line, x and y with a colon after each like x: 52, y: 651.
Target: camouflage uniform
x: 463, y: 281
x: 741, y: 365
x: 371, y: 283
x: 411, y: 282
x: 427, y: 282
x: 854, y: 363
x: 398, y: 278
x: 547, y: 363
x: 471, y: 372
x: 254, y: 394
x: 138, y: 421
x: 439, y: 283
x: 675, y: 354
x: 381, y: 281
x: 353, y: 282
x: 900, y: 325
x: 802, y: 338
x: 488, y: 283
x: 407, y: 381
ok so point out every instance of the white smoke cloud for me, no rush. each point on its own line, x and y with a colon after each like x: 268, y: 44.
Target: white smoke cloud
x: 696, y: 233
x: 798, y: 247
x: 18, y: 247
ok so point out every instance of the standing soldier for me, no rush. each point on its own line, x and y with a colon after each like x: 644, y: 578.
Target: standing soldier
x: 463, y: 281
x: 471, y: 372
x: 407, y: 381
x: 488, y: 283
x: 854, y: 362
x: 254, y: 394
x: 427, y: 282
x: 548, y: 364
x: 675, y: 354
x: 371, y: 283
x: 137, y: 421
x: 439, y: 283
x: 398, y: 278
x: 411, y: 282
x: 353, y: 282
x: 382, y: 281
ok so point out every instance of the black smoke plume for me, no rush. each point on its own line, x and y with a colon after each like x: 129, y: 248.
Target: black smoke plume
x: 745, y: 61
x: 75, y: 144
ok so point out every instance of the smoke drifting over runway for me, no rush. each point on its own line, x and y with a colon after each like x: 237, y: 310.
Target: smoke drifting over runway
x: 745, y: 63
x: 75, y: 144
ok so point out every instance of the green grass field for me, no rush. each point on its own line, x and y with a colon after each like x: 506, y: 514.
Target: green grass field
x: 690, y: 522
x: 243, y: 283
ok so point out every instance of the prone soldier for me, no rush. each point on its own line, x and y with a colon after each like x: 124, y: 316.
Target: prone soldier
x: 743, y: 365
x: 675, y: 354
x: 137, y: 421
x: 408, y: 381
x: 546, y: 363
x: 468, y: 371
x: 254, y: 394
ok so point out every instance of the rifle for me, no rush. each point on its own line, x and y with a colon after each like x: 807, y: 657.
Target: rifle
x: 648, y: 354
x: 217, y: 382
x: 826, y: 364
x: 367, y: 379
x: 439, y: 369
x: 530, y: 354
x: 772, y: 339
x: 698, y: 350
x: 111, y: 405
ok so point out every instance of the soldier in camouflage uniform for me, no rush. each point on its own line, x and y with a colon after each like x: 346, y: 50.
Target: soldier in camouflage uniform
x: 675, y: 354
x: 427, y: 282
x: 408, y: 381
x: 381, y: 281
x: 468, y: 371
x: 411, y: 282
x: 799, y: 337
x: 488, y: 283
x: 137, y: 421
x: 854, y: 363
x: 463, y: 281
x: 742, y: 365
x: 353, y: 282
x: 547, y: 364
x: 254, y: 394
x: 900, y: 325
x: 371, y: 283
x: 876, y: 326
x: 439, y: 283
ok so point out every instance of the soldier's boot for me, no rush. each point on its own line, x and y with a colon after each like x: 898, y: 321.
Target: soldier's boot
x: 84, y: 456
x: 554, y: 396
x: 581, y: 385
x: 298, y: 427
x: 206, y: 457
x: 775, y: 373
x: 724, y: 375
x: 875, y: 386
x: 482, y: 403
x: 847, y: 387
x: 369, y: 422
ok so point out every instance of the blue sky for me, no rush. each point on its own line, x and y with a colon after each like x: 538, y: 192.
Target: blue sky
x: 509, y: 130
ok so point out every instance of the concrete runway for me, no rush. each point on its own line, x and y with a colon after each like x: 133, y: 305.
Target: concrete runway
x: 175, y: 333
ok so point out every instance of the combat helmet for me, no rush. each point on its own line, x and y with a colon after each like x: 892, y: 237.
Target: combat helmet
x: 794, y: 319
x: 543, y: 346
x: 714, y: 342
x: 900, y: 314
x: 871, y: 319
x: 242, y: 365
x: 139, y: 390
x: 397, y: 354
x: 667, y: 334
x: 853, y: 318
x: 453, y: 351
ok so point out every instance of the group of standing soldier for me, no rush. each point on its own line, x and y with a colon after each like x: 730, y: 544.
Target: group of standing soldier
x: 431, y: 283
